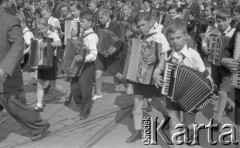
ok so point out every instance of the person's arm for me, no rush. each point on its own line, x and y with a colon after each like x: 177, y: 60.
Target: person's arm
x: 91, y: 43
x: 56, y: 43
x: 15, y: 53
x: 27, y: 37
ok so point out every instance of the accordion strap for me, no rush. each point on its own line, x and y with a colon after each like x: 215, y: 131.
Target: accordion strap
x: 84, y: 36
x: 169, y: 57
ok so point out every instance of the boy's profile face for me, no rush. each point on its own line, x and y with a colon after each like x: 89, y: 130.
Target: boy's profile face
x: 236, y: 16
x: 144, y: 26
x: 85, y: 24
x: 42, y: 29
x: 172, y: 13
x: 45, y: 14
x: 119, y: 4
x: 103, y: 18
x: 146, y: 5
x: 223, y: 24
x: 155, y: 2
x: 75, y: 12
x: 64, y: 11
x: 92, y: 6
x: 126, y: 10
x: 207, y: 11
x: 176, y: 40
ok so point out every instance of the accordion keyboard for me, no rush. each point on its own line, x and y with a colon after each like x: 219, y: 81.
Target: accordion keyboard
x: 236, y: 56
x: 167, y: 75
x: 212, y: 48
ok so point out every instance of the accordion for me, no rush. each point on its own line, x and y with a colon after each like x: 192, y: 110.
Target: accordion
x: 41, y: 58
x: 212, y: 47
x: 235, y: 82
x: 216, y: 46
x: 70, y: 66
x: 107, y: 40
x: 136, y: 70
x: 187, y: 87
x: 69, y: 25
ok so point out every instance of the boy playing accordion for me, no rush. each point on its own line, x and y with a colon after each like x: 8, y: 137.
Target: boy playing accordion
x: 182, y: 55
x: 233, y: 65
x: 151, y: 33
x: 81, y: 85
x: 220, y: 77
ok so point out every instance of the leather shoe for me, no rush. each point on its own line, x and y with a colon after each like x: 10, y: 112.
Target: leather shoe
x: 84, y: 117
x: 38, y: 109
x: 46, y: 90
x: 228, y: 109
x: 42, y: 134
x: 136, y: 136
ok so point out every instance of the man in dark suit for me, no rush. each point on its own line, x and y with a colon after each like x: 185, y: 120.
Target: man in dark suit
x: 11, y: 82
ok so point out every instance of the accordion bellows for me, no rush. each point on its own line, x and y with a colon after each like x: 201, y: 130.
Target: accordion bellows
x: 187, y: 87
x: 41, y: 58
x: 107, y: 40
x: 136, y: 70
x: 70, y: 66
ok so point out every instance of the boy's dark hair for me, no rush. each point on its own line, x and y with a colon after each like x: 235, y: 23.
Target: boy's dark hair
x: 143, y: 16
x: 122, y: 1
x: 175, y: 25
x: 88, y: 15
x: 77, y: 5
x: 63, y: 6
x: 223, y: 13
x: 173, y: 6
x: 146, y: 1
x: 47, y: 9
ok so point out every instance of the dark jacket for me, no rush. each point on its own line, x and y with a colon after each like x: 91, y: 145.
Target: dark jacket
x: 11, y: 49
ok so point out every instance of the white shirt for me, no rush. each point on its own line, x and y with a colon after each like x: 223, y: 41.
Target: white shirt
x: 27, y: 35
x: 91, y: 42
x: 192, y: 58
x: 229, y: 31
x: 53, y: 35
x: 54, y: 22
x: 108, y: 23
x: 158, y: 37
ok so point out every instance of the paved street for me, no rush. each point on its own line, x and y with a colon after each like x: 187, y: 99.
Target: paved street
x: 108, y: 125
x: 65, y: 119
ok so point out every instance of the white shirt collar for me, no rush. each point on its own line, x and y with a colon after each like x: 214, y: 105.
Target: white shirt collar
x: 108, y: 23
x: 147, y: 10
x: 76, y: 19
x: 25, y: 29
x: 179, y: 54
x: 228, y: 29
x: 88, y: 31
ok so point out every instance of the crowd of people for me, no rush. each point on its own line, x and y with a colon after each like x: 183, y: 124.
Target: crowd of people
x: 183, y: 28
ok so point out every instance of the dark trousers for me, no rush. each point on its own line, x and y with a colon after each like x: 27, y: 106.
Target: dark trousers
x: 81, y: 88
x: 237, y: 106
x: 15, y: 104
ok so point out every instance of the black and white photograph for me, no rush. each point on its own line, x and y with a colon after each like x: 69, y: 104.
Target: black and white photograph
x: 119, y: 73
